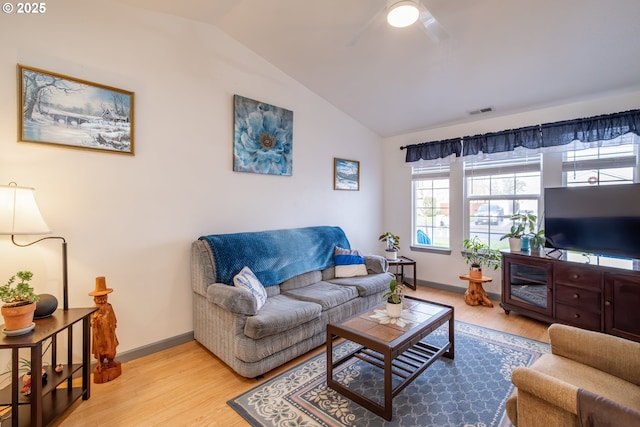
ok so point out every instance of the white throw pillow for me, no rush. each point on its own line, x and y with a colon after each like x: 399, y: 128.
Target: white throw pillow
x: 247, y: 280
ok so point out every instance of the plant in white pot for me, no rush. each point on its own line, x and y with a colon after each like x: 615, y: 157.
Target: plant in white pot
x: 477, y: 253
x: 518, y: 231
x: 394, y: 296
x: 19, y: 303
x: 393, y: 244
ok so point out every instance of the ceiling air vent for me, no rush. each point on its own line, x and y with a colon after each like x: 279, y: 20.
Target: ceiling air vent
x: 481, y: 111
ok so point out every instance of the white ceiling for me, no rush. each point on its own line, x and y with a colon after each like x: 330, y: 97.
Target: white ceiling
x: 512, y: 55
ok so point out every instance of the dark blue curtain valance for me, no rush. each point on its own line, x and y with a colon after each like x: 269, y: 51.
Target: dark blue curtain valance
x: 433, y: 150
x: 597, y: 128
x: 500, y: 142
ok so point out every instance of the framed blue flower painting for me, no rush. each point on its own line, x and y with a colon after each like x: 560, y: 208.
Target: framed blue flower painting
x: 263, y: 140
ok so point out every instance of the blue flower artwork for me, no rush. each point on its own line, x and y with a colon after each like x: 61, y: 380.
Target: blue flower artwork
x: 263, y: 140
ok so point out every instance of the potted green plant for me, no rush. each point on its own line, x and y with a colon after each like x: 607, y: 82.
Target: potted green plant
x: 536, y: 237
x: 393, y: 296
x: 524, y: 227
x: 19, y: 303
x: 518, y: 230
x: 477, y: 253
x: 393, y: 244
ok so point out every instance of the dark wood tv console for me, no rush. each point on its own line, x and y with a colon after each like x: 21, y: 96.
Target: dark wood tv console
x: 553, y: 289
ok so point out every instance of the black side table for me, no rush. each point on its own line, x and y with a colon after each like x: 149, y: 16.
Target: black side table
x: 399, y: 264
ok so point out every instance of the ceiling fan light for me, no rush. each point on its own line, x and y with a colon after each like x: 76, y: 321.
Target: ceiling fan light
x: 403, y: 14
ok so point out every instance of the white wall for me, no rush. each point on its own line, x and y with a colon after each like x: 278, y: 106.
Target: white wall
x: 446, y: 268
x: 133, y: 218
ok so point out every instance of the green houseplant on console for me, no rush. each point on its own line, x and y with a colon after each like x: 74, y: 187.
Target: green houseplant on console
x: 19, y: 303
x: 524, y: 227
x: 477, y: 253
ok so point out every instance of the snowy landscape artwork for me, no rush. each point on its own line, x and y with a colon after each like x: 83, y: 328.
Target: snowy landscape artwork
x: 263, y: 138
x: 66, y: 111
x: 346, y: 174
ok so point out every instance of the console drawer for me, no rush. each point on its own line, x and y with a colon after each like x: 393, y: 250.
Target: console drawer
x: 578, y: 276
x: 578, y: 316
x: 574, y: 296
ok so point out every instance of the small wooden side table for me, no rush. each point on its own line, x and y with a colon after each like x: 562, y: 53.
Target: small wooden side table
x: 401, y: 262
x: 476, y: 295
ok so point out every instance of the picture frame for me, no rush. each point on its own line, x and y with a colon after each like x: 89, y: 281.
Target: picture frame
x: 263, y: 137
x: 66, y: 111
x: 346, y: 174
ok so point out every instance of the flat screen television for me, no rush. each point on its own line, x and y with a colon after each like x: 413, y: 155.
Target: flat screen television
x: 603, y: 220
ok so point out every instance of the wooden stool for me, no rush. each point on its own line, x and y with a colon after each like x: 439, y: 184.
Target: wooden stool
x: 476, y: 295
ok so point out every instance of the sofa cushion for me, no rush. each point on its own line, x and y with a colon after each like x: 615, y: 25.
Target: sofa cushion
x: 248, y: 281
x: 349, y: 263
x: 279, y: 314
x: 328, y: 295
x: 370, y: 284
x: 301, y: 281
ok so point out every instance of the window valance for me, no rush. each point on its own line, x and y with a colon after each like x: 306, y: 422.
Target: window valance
x: 433, y: 150
x: 598, y: 128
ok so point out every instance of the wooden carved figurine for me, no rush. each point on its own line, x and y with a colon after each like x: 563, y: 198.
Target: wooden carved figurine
x: 103, y: 329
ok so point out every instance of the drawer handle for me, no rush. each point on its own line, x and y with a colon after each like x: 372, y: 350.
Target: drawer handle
x: 576, y: 296
x: 577, y: 316
x: 607, y: 303
x: 575, y: 276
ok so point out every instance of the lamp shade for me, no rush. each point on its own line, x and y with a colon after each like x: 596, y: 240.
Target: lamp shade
x: 403, y: 13
x: 19, y: 213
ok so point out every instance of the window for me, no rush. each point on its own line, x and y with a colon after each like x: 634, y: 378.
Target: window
x: 496, y: 189
x: 608, y: 165
x: 430, y: 206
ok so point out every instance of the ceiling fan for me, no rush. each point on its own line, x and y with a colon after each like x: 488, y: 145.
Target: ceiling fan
x: 403, y: 13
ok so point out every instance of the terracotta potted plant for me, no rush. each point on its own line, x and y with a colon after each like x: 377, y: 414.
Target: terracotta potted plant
x: 477, y: 254
x: 393, y: 244
x: 19, y: 303
x: 393, y: 296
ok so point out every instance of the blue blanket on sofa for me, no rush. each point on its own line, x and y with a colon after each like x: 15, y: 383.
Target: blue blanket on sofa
x: 277, y: 255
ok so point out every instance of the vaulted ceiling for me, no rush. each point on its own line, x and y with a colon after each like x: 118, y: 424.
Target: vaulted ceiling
x: 509, y: 55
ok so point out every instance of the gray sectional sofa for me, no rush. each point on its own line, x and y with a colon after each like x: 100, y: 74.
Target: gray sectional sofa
x: 296, y: 267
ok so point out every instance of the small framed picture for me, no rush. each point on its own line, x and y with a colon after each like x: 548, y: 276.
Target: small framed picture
x: 65, y: 111
x: 346, y: 174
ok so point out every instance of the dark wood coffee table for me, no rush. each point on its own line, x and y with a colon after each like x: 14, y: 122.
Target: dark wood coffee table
x: 395, y: 349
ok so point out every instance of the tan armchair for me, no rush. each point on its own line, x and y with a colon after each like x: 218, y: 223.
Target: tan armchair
x: 550, y: 392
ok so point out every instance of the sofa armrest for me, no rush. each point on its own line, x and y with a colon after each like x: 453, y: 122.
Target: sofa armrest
x: 232, y: 299
x: 552, y: 390
x: 376, y: 264
x: 613, y: 355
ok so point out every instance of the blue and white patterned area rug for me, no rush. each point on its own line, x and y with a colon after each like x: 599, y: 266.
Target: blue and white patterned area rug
x: 469, y: 391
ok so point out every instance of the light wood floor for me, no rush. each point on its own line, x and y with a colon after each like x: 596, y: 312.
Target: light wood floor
x: 187, y: 386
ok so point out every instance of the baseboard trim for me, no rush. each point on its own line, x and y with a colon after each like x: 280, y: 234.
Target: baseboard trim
x: 457, y: 289
x: 154, y: 347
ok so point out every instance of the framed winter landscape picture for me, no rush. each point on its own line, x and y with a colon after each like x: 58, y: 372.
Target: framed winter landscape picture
x: 346, y: 174
x: 65, y: 111
x: 263, y: 137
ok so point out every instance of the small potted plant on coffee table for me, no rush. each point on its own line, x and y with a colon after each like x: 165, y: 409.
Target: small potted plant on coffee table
x: 19, y: 304
x: 394, y: 296
x: 477, y: 254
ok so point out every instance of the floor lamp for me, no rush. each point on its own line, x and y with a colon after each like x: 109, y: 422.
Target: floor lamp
x: 19, y: 215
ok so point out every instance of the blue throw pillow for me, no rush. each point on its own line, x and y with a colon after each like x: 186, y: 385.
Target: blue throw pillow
x: 248, y: 281
x: 349, y: 263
